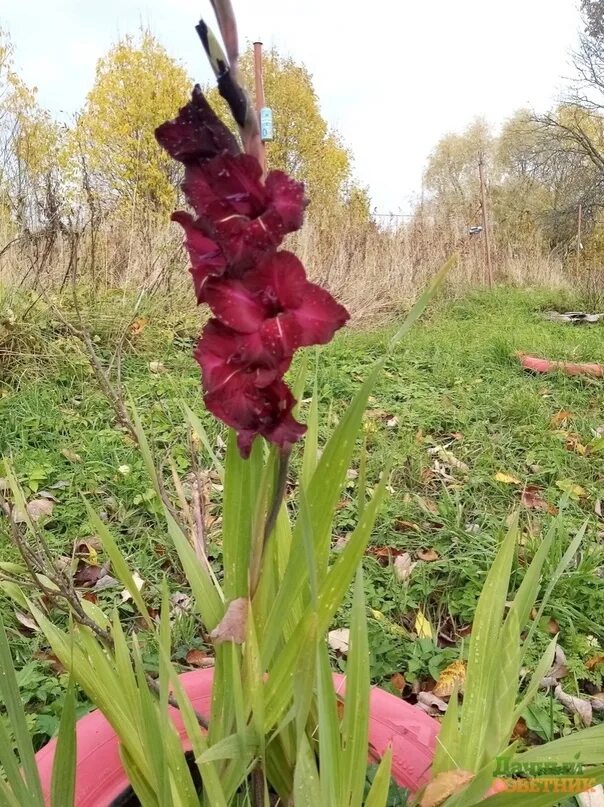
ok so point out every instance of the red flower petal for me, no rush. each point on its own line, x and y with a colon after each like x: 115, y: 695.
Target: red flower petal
x: 234, y: 305
x: 197, y: 133
x: 281, y: 335
x: 206, y: 257
x: 319, y: 316
x: 282, y: 276
x: 287, y: 199
x: 238, y: 180
x: 280, y: 427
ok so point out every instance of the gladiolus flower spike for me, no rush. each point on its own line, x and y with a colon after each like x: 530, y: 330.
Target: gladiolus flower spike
x: 264, y: 307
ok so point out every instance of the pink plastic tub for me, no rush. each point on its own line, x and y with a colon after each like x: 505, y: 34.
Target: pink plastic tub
x: 100, y: 778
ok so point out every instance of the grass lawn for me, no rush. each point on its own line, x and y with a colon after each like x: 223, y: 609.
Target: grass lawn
x: 465, y: 431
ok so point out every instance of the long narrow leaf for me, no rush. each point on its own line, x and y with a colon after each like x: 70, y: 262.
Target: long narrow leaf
x: 62, y: 790
x: 9, y: 690
x: 355, y: 725
x: 378, y: 794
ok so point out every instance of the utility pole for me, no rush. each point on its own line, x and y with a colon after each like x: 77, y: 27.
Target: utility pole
x: 579, y: 222
x: 485, y: 221
x: 259, y: 87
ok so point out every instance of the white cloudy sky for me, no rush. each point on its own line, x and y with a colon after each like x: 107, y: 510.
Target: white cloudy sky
x: 392, y: 75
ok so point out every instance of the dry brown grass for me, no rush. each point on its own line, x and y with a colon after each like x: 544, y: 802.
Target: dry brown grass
x: 374, y: 271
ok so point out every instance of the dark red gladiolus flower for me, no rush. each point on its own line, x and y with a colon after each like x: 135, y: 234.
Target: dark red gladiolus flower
x: 264, y: 306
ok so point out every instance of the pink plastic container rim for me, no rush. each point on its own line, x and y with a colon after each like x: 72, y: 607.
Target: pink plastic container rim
x: 100, y: 777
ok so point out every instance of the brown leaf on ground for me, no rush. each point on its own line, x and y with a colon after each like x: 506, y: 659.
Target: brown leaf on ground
x: 552, y: 626
x: 520, y: 729
x: 339, y: 640
x: 197, y: 658
x: 428, y: 506
x: 430, y: 703
x: 50, y: 659
x: 577, y: 706
x: 559, y: 669
x: 28, y: 622
x: 443, y: 786
x: 181, y: 603
x: 597, y: 702
x: 398, y: 682
x: 384, y: 554
x: 138, y: 582
x: 599, y: 508
x: 533, y: 500
x: 452, y: 676
x: 88, y: 575
x: 593, y: 662
x: 400, y: 525
x: 403, y: 566
x: 137, y: 326
x: 70, y: 455
x: 233, y: 625
x: 428, y: 555
x: 561, y: 418
x: 36, y: 509
x: 507, y: 479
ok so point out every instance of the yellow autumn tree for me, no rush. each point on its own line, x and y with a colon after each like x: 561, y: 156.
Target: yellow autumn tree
x: 137, y: 87
x: 304, y: 145
x: 30, y: 146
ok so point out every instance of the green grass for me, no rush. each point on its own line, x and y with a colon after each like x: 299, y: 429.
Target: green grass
x: 455, y: 383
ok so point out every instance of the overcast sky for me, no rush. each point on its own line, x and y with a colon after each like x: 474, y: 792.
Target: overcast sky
x: 392, y: 75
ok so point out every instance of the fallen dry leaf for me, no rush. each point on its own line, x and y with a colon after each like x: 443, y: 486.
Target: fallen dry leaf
x: 532, y: 500
x: 156, y: 367
x: 406, y: 526
x: 597, y: 702
x: 427, y: 505
x: 233, y: 625
x: 443, y: 786
x: 561, y: 418
x: 573, y: 443
x: 452, y: 676
x: 392, y: 422
x: 430, y: 703
x: 339, y: 640
x: 138, y: 582
x: 197, y: 658
x: 593, y: 662
x: 599, y: 508
x: 88, y: 550
x: 88, y: 575
x: 398, y: 682
x: 428, y: 555
x: 423, y: 628
x: 36, y: 509
x: 49, y: 658
x: 137, y: 325
x: 507, y: 479
x: 448, y: 458
x: 559, y: 669
x: 27, y: 621
x: 70, y: 455
x: 552, y: 626
x: 520, y: 729
x: 384, y: 553
x: 182, y: 604
x: 403, y: 566
x: 574, y: 491
x: 577, y: 706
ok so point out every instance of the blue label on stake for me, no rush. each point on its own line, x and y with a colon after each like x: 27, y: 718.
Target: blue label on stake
x: 266, y: 124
